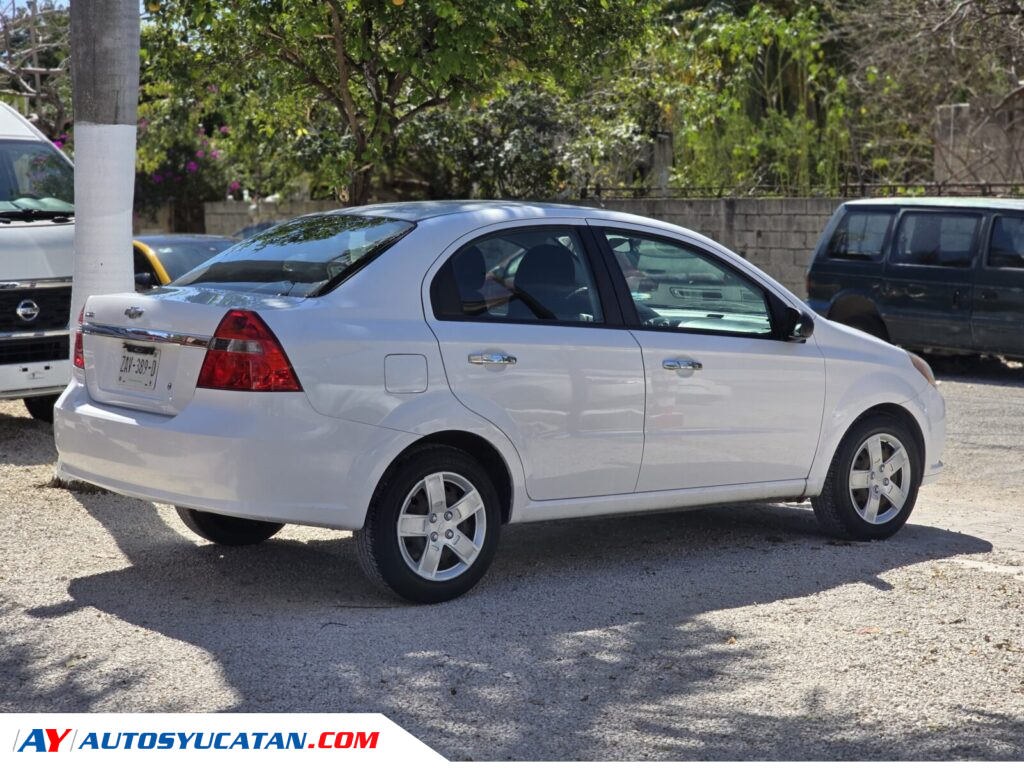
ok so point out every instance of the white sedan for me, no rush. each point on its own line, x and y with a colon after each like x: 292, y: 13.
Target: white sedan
x: 425, y: 373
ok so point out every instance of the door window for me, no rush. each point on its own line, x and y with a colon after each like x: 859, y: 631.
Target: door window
x: 860, y: 235
x: 679, y: 288
x: 936, y: 239
x: 539, y: 274
x: 1006, y: 246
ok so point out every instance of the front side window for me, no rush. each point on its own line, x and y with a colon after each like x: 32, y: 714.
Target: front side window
x: 35, y: 180
x: 538, y: 274
x: 1006, y: 246
x: 860, y: 235
x: 936, y: 239
x: 303, y: 257
x: 676, y: 287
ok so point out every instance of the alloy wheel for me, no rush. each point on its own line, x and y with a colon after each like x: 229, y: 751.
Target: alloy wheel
x: 880, y: 478
x: 442, y: 526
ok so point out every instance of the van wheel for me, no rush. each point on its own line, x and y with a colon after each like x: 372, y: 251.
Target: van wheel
x: 222, y: 529
x: 870, y: 325
x: 432, y: 527
x: 41, y: 408
x: 872, y: 484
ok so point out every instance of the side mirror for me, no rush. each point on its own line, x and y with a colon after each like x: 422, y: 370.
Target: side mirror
x: 143, y: 281
x: 797, y: 326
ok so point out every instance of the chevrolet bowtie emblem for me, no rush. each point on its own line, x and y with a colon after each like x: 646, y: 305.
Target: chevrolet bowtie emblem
x: 133, y: 312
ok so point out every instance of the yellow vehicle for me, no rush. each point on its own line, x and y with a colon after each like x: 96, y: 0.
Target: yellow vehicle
x: 159, y: 259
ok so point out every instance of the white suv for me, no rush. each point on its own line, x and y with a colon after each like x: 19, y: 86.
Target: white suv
x: 424, y: 373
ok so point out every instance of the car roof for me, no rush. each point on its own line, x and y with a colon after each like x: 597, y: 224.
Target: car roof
x: 14, y: 126
x: 170, y: 239
x: 943, y: 202
x: 500, y: 209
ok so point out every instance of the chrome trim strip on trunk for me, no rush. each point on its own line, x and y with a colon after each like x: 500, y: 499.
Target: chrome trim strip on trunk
x: 35, y: 282
x: 11, y: 335
x: 145, y: 335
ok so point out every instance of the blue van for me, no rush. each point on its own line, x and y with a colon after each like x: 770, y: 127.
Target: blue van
x: 933, y: 274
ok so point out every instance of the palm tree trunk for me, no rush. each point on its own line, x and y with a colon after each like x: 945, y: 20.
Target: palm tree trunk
x: 105, y: 88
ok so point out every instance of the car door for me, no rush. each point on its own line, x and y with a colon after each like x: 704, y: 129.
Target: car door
x: 997, y: 319
x: 532, y: 340
x: 927, y: 292
x: 727, y: 403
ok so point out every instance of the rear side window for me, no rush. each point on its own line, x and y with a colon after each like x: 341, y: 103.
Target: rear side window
x: 303, y: 257
x: 538, y: 274
x: 860, y: 236
x: 936, y: 239
x: 1006, y: 246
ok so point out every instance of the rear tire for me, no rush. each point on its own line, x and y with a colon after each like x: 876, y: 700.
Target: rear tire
x: 41, y: 408
x: 866, y: 496
x: 432, y: 527
x: 230, y: 531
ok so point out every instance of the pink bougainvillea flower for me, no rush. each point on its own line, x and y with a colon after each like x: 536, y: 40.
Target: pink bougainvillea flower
x: 192, y: 166
x: 234, y: 186
x: 157, y: 178
x: 224, y: 129
x: 200, y: 153
x: 215, y: 153
x: 58, y: 143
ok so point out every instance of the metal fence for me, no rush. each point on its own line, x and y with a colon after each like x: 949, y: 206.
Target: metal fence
x: 845, y: 190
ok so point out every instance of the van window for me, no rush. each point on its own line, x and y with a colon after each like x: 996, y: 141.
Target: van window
x: 934, y: 239
x: 860, y: 235
x: 1006, y: 248
x: 35, y: 180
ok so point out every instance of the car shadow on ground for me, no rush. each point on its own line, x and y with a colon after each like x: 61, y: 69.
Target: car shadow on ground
x: 576, y: 619
x: 981, y: 370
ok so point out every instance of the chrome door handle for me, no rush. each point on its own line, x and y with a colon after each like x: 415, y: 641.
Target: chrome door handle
x: 492, y: 358
x: 681, y: 365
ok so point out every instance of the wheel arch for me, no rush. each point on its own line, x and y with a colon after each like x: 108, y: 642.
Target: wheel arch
x: 480, y: 449
x: 904, y: 415
x: 849, y: 306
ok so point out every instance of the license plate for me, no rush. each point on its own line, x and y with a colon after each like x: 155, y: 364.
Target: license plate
x: 138, y: 367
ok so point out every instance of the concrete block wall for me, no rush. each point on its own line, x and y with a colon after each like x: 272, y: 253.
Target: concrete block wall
x: 776, y: 234
x: 229, y: 216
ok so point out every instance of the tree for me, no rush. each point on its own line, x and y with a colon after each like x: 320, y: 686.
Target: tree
x: 378, y: 64
x: 34, y: 63
x: 105, y: 47
x: 906, y: 58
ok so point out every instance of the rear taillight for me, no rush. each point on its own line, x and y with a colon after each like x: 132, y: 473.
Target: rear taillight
x: 246, y: 355
x: 79, y: 358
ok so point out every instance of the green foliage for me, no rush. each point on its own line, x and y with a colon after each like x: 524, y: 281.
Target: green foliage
x: 758, y: 103
x: 380, y: 63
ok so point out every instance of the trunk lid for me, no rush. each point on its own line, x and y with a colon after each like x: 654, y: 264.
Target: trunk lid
x: 145, y: 351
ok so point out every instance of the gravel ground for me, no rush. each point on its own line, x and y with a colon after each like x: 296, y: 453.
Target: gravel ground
x: 728, y: 633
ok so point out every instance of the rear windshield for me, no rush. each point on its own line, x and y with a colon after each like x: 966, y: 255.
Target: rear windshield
x: 303, y: 257
x: 179, y: 256
x: 36, y: 181
x: 860, y: 235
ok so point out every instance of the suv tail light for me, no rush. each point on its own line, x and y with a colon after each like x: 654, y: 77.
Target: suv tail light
x: 246, y: 355
x: 78, y: 360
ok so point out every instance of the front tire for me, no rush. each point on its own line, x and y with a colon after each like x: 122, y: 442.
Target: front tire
x: 41, y: 408
x: 230, y: 531
x: 872, y: 484
x: 432, y: 527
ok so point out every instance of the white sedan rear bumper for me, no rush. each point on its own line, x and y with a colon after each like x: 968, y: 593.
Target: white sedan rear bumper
x: 264, y: 456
